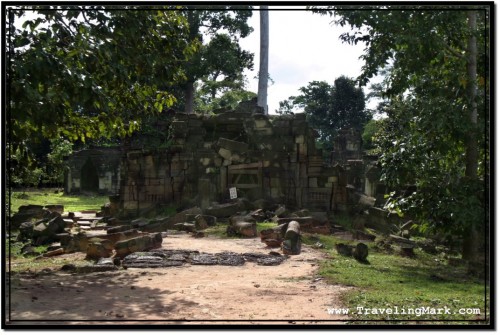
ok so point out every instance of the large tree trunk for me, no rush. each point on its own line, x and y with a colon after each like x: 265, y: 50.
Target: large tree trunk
x: 264, y: 58
x: 471, y: 238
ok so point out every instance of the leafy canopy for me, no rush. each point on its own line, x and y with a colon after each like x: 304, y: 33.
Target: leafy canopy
x: 88, y: 71
x: 426, y: 139
x: 330, y: 108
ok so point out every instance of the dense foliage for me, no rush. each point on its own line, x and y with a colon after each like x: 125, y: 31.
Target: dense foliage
x: 330, y: 108
x: 95, y: 74
x: 435, y: 136
x: 219, y: 62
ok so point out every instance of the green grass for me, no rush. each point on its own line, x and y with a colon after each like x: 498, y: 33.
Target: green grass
x: 390, y: 280
x: 71, y: 203
x: 16, y: 262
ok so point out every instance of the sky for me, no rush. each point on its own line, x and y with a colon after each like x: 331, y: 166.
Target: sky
x: 303, y: 47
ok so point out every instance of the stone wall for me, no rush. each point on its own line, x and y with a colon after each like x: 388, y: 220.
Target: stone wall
x: 346, y: 146
x: 94, y: 170
x: 261, y: 156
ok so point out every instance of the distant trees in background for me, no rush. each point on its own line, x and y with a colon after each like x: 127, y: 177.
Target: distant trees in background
x: 330, y: 108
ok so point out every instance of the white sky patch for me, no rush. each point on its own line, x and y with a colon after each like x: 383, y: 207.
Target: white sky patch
x: 303, y: 47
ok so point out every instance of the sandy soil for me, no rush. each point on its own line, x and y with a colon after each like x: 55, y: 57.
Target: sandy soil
x: 192, y: 294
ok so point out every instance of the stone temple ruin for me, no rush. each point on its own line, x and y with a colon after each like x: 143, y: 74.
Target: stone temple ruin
x: 239, y: 168
x: 261, y: 156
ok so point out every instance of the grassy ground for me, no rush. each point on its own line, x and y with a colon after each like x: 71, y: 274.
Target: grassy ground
x: 49, y: 197
x: 387, y: 282
x: 418, y: 286
x: 390, y: 281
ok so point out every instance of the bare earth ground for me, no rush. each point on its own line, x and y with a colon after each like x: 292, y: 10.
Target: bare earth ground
x: 191, y: 294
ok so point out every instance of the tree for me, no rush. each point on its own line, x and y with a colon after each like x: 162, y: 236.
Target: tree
x: 329, y: 108
x: 229, y: 100
x: 224, y: 64
x: 433, y: 55
x: 81, y: 72
x: 55, y: 168
x: 264, y: 58
x: 223, y: 26
x: 85, y: 72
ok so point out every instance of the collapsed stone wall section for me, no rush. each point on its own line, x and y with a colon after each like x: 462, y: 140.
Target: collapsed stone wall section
x: 262, y: 156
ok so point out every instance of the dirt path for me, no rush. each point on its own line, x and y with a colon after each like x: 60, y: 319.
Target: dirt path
x: 290, y: 292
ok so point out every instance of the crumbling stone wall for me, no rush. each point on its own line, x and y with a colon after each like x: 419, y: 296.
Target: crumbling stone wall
x: 261, y: 156
x: 347, y: 145
x: 94, y: 170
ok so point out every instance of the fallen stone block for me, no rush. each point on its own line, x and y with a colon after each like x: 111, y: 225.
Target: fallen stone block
x: 291, y: 244
x: 223, y: 210
x: 141, y: 243
x: 185, y: 226
x: 242, y: 228
x: 118, y: 229
x: 46, y: 232
x: 183, y: 216
x: 55, y: 208
x: 52, y: 253
x: 99, y: 248
x: 27, y: 213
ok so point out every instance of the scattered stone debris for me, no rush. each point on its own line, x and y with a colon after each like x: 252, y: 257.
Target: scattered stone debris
x: 167, y: 258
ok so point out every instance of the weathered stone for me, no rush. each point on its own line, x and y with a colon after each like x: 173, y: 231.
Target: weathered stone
x: 209, y: 219
x: 45, y: 232
x: 378, y: 220
x: 118, y: 229
x: 52, y: 253
x: 223, y: 210
x: 344, y: 249
x: 241, y: 218
x: 140, y: 222
x: 55, y: 208
x: 232, y: 146
x: 182, y: 216
x: 402, y: 242
x: 25, y: 231
x: 303, y: 221
x: 272, y: 243
x: 64, y: 239
x: 78, y: 242
x: 200, y: 222
x: 26, y: 213
x: 185, y: 226
x: 226, y: 154
x: 302, y: 213
x: 259, y: 215
x: 97, y: 248
x: 242, y: 228
x: 291, y: 244
x: 142, y: 243
x: 281, y: 212
x: 360, y: 252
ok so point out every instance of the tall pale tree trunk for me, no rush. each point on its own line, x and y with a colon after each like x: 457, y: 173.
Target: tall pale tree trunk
x: 193, y: 21
x: 471, y: 238
x: 264, y: 58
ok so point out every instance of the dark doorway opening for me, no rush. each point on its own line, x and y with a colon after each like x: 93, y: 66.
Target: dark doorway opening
x: 90, y: 178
